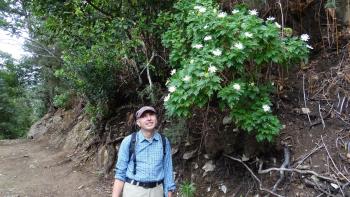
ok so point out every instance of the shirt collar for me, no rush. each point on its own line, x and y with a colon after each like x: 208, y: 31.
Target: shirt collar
x: 142, y: 138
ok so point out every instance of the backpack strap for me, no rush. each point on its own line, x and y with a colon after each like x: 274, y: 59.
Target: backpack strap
x: 164, y: 144
x: 132, y: 151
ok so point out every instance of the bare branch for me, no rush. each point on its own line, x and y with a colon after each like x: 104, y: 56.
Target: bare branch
x: 253, y: 175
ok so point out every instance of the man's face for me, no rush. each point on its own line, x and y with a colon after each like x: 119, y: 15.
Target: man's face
x: 147, y: 121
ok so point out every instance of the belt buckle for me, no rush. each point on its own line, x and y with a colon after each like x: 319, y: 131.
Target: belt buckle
x: 134, y: 182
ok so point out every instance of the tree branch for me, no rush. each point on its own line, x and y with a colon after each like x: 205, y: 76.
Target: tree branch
x: 110, y: 16
x: 253, y: 175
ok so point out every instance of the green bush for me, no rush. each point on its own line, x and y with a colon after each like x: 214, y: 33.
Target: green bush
x: 187, y: 189
x: 61, y: 100
x: 221, y: 56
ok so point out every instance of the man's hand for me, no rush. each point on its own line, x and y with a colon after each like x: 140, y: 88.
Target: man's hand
x: 170, y: 193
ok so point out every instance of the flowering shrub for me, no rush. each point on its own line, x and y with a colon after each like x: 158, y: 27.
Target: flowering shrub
x: 219, y: 55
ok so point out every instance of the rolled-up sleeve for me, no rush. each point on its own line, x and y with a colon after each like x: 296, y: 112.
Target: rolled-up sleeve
x: 123, y: 159
x: 169, y: 183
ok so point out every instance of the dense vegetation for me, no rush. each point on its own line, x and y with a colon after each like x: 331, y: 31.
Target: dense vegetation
x: 15, y: 110
x: 114, y: 53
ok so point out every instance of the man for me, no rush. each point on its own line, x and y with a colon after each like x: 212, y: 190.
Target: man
x: 144, y: 170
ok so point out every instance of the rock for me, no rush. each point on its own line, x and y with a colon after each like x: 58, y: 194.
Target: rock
x: 102, y: 157
x: 209, y: 166
x: 189, y: 154
x: 335, y: 186
x: 348, y: 155
x: 38, y: 128
x: 81, y: 186
x: 305, y: 110
x: 227, y: 120
x: 195, y: 165
x: 174, y: 150
x: 206, y: 156
x: 77, y: 135
x: 208, y: 189
x: 223, y: 188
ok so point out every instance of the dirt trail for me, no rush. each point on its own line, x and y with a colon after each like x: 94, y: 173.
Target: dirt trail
x: 31, y: 168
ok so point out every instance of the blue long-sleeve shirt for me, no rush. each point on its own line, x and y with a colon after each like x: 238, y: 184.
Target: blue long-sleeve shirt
x: 150, y: 165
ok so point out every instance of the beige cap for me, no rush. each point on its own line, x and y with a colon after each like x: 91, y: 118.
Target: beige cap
x: 144, y: 109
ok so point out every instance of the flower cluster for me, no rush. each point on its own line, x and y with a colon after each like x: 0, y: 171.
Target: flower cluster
x: 218, y: 56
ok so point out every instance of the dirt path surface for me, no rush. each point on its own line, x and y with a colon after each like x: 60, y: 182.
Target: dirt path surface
x: 30, y: 168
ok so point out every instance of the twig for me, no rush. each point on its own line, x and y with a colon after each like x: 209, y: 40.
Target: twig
x: 282, y: 22
x: 253, y: 175
x: 318, y: 187
x: 296, y: 170
x: 341, y: 106
x: 308, y: 155
x: 149, y: 77
x: 319, y: 111
x: 320, y: 121
x: 335, y: 166
x: 148, y: 73
x: 308, y: 116
x: 285, y: 163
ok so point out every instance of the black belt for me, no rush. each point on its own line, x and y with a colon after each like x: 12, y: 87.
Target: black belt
x: 143, y: 184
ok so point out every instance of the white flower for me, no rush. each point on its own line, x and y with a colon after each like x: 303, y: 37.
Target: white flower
x: 305, y: 37
x: 222, y: 15
x: 197, y: 46
x: 215, y: 10
x: 212, y: 69
x: 172, y: 89
x: 248, y: 34
x: 167, y: 98
x: 310, y: 47
x: 235, y: 11
x: 173, y: 72
x: 253, y: 12
x: 278, y: 25
x: 191, y: 61
x: 187, y: 78
x: 236, y: 86
x: 239, y: 45
x: 252, y: 84
x: 201, y: 9
x: 270, y: 18
x: 206, y: 27
x: 206, y: 38
x: 266, y: 108
x: 217, y: 52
